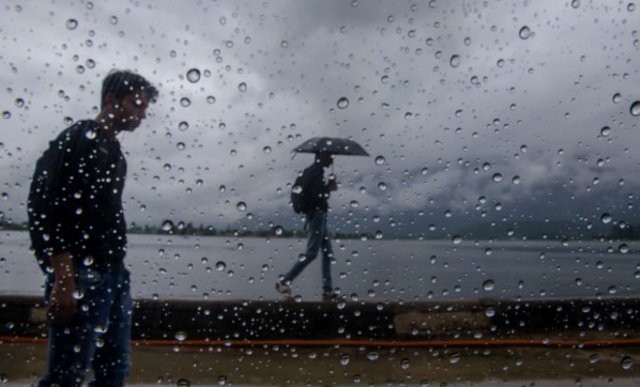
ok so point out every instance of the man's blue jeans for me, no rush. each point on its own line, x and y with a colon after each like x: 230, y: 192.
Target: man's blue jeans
x: 99, y: 334
x: 318, y: 239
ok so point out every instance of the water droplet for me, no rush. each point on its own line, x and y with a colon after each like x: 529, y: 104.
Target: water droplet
x: 193, y: 75
x: 242, y: 87
x: 78, y: 294
x: 623, y: 248
x: 181, y: 146
x: 90, y: 134
x: 405, y: 363
x: 455, y: 61
x: 617, y: 97
x: 222, y: 380
x: 454, y: 358
x: 605, y: 131
x: 627, y: 363
x: 113, y: 20
x: 488, y: 285
x: 266, y: 149
x: 575, y: 4
x: 6, y: 114
x: 211, y: 99
x: 71, y: 24
x: 490, y: 312
x: 167, y: 225
x: 183, y: 126
x: 183, y: 383
x: 181, y: 335
x: 220, y: 265
x: 525, y: 33
x: 241, y: 206
x: 606, y: 218
x: 516, y: 179
x: 284, y: 44
x: 457, y: 239
x: 631, y: 7
x: 222, y: 188
x: 635, y: 109
x: 344, y: 360
x: 382, y: 186
x: 380, y: 160
x: 278, y: 230
x: 185, y: 102
x: 343, y: 103
x: 497, y: 177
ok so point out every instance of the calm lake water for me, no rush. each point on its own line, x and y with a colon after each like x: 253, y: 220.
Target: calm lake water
x: 224, y: 268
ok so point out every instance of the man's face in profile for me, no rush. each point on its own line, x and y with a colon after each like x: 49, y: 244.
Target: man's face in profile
x: 131, y: 111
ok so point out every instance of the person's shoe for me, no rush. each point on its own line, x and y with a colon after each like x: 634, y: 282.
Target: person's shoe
x: 283, y: 289
x: 329, y: 296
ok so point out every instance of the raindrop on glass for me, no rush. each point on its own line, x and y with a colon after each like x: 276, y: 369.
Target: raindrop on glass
x: 525, y: 33
x: 343, y: 103
x: 71, y: 24
x: 241, y: 206
x: 605, y: 131
x: 617, y: 97
x: 455, y: 61
x: 167, y: 225
x: 627, y: 363
x: 242, y: 87
x: 488, y: 285
x: 220, y: 266
x: 575, y: 4
x: 380, y: 160
x: 635, y: 109
x: 193, y: 75
x: 606, y: 218
x: 180, y: 335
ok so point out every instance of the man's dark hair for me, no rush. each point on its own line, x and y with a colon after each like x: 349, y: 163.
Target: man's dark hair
x: 122, y: 83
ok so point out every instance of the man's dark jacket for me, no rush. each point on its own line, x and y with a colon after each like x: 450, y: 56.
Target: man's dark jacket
x: 75, y: 200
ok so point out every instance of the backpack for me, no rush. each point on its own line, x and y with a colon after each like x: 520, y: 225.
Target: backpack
x: 44, y: 193
x: 299, y: 196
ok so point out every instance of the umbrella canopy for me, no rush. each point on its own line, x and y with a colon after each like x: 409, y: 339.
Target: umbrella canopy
x: 333, y: 145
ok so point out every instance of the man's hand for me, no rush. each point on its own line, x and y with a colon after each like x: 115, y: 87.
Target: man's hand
x: 62, y: 304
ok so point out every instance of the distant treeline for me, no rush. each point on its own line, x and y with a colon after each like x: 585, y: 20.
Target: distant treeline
x: 629, y: 232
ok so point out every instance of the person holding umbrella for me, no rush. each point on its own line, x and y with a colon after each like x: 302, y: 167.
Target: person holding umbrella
x: 313, y: 191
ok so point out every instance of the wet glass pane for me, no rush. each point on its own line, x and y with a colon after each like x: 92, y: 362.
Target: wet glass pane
x: 480, y: 198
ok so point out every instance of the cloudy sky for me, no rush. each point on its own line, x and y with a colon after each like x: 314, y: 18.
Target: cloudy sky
x: 502, y: 111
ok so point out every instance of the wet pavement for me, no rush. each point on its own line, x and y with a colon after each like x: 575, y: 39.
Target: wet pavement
x: 484, y: 343
x: 177, y: 365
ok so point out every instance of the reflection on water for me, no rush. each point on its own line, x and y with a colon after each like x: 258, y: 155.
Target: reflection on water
x: 217, y: 268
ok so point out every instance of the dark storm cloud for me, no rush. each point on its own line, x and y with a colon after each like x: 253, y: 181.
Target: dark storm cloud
x: 457, y: 101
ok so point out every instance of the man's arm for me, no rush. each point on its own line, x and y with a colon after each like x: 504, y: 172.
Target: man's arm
x: 62, y: 304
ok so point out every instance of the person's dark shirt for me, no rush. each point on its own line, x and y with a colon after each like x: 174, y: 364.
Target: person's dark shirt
x: 318, y: 189
x: 87, y: 217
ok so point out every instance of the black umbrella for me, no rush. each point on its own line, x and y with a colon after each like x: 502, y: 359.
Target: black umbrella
x: 333, y: 145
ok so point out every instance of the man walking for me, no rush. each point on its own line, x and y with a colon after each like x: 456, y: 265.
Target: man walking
x: 78, y: 235
x: 316, y: 193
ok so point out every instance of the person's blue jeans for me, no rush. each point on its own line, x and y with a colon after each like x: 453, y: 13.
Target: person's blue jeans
x: 318, y: 239
x: 98, y: 336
